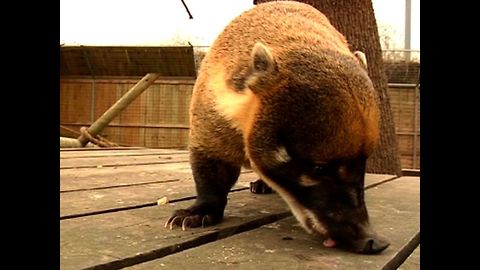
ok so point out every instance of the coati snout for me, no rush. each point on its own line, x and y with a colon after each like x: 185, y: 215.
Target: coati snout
x: 280, y: 91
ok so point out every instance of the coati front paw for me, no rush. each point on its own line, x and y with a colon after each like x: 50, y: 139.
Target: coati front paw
x: 259, y: 187
x: 187, y: 218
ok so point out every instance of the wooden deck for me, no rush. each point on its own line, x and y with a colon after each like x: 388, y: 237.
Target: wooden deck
x: 110, y: 219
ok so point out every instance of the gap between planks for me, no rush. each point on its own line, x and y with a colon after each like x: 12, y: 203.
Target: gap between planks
x: 122, y: 165
x: 126, y: 154
x: 137, y: 206
x: 101, y: 148
x: 399, y: 258
x: 121, y: 186
x: 135, y: 184
x: 195, y: 242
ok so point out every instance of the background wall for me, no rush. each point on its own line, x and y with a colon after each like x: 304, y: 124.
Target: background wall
x: 158, y: 118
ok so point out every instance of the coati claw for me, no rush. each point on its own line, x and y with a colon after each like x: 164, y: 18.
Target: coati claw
x: 259, y: 187
x: 186, y: 219
x: 168, y: 221
x: 206, y: 221
x: 175, y: 221
x: 186, y: 223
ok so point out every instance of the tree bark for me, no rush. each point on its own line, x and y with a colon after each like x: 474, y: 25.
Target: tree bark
x: 355, y: 19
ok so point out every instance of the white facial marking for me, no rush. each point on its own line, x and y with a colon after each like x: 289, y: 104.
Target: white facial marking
x: 317, y: 225
x: 301, y: 213
x: 281, y: 155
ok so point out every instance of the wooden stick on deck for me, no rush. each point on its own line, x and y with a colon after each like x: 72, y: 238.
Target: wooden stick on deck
x: 115, y: 109
x: 66, y: 142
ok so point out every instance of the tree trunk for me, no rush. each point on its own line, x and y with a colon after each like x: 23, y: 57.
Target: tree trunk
x: 356, y: 21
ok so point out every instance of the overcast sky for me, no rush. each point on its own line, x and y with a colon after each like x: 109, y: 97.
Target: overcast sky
x: 162, y: 22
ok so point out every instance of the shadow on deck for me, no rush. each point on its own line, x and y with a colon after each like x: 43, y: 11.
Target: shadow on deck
x: 110, y: 219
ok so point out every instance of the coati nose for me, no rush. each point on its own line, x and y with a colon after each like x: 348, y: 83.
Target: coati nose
x: 374, y: 245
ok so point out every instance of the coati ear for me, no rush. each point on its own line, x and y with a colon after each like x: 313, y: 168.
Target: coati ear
x: 263, y: 68
x: 262, y: 59
x: 362, y: 58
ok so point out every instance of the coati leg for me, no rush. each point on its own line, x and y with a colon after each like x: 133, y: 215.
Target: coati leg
x: 259, y: 187
x: 213, y: 180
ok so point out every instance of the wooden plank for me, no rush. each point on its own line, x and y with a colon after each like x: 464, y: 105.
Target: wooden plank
x: 183, y: 102
x: 410, y: 172
x: 373, y: 179
x: 155, y: 105
x: 101, y: 149
x: 413, y: 261
x: 117, y: 196
x: 116, y: 153
x: 104, y: 177
x: 88, y: 162
x: 115, y: 165
x: 394, y: 211
x: 133, y: 136
x: 402, y: 102
x: 93, y: 240
x: 166, y: 138
x: 91, y: 201
x: 90, y: 178
x: 105, y: 96
x: 75, y: 102
x: 167, y: 105
x: 133, y: 114
x: 405, y: 149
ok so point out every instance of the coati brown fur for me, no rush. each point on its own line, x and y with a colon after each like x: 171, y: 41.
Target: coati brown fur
x: 280, y: 91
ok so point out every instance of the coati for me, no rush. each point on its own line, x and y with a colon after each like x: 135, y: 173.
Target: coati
x: 280, y: 91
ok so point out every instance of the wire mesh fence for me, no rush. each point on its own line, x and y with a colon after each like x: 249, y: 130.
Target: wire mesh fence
x: 402, y: 66
x: 96, y: 61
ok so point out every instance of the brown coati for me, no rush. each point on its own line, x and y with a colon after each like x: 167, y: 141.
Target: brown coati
x: 280, y: 91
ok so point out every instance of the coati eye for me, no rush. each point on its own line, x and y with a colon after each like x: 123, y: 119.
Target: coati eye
x: 319, y: 170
